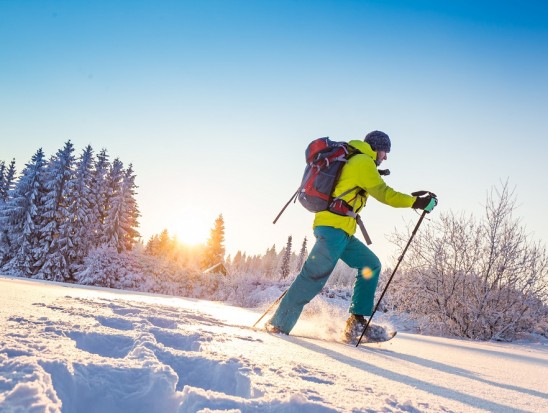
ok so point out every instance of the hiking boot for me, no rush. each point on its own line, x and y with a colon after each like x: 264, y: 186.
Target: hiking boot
x: 273, y: 329
x: 354, y: 328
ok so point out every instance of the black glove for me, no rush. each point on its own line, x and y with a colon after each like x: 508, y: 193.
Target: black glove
x: 425, y: 200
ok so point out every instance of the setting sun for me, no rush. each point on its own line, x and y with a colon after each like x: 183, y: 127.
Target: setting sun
x: 192, y: 230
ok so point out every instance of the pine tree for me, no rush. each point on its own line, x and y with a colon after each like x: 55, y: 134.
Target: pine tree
x: 164, y: 242
x: 121, y: 221
x: 2, y: 180
x: 52, y: 254
x: 7, y: 180
x: 163, y: 245
x: 215, y: 251
x: 152, y: 247
x: 78, y: 227
x: 3, y: 200
x: 99, y: 197
x: 3, y: 245
x: 131, y: 214
x: 110, y: 213
x: 286, y: 259
x: 20, y: 218
x: 244, y: 266
x: 270, y: 261
x: 238, y: 261
x: 57, y: 211
x: 303, y: 254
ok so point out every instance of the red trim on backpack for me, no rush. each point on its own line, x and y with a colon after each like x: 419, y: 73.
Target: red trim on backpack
x: 314, y: 148
x: 341, y: 207
x: 312, y: 192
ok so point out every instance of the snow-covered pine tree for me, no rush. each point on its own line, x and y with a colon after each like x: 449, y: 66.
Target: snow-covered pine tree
x: 303, y: 254
x: 255, y: 264
x: 152, y: 247
x: 3, y: 199
x: 170, y: 248
x: 99, y: 197
x: 2, y: 203
x: 215, y: 250
x: 109, y: 223
x: 123, y: 213
x: 286, y: 259
x: 161, y: 245
x: 7, y: 180
x: 237, y: 261
x: 78, y: 197
x: 2, y: 179
x: 243, y: 265
x: 269, y: 261
x: 7, y: 183
x: 20, y: 218
x: 131, y: 213
x: 52, y: 254
x: 164, y: 243
x: 103, y: 267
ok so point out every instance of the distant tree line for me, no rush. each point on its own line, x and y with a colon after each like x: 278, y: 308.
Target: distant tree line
x: 273, y: 264
x: 59, y: 209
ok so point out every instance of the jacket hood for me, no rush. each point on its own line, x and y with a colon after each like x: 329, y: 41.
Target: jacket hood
x: 363, y: 147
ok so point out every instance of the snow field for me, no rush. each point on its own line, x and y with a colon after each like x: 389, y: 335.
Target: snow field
x: 72, y: 349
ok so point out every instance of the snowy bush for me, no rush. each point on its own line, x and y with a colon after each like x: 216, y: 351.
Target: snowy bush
x: 134, y: 270
x: 477, y: 279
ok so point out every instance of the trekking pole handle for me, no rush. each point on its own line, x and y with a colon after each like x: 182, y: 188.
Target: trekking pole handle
x: 422, y: 193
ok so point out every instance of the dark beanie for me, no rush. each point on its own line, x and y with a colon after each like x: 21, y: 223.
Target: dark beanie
x: 379, y: 141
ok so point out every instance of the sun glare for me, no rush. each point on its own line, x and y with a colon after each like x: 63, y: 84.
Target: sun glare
x: 191, y: 231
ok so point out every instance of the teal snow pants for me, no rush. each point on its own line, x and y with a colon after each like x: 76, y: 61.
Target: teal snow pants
x: 331, y: 245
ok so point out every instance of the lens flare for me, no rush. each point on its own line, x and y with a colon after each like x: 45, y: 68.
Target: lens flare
x: 367, y: 273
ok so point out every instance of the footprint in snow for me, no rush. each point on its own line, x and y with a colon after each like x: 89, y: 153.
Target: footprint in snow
x: 106, y: 345
x: 312, y: 377
x: 177, y: 341
x: 162, y: 322
x: 115, y: 323
x: 124, y: 311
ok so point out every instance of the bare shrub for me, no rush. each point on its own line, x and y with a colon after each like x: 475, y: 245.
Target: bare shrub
x: 481, y: 279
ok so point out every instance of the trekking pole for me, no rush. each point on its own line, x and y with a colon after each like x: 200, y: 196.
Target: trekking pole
x: 392, y: 276
x: 270, y: 308
x: 292, y: 199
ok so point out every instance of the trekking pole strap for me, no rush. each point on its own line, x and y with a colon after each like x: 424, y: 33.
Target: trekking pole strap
x: 364, y: 231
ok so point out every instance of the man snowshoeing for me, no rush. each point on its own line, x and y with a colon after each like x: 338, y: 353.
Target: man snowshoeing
x: 335, y: 240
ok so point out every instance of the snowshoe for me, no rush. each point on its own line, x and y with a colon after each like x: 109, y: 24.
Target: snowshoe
x: 374, y: 333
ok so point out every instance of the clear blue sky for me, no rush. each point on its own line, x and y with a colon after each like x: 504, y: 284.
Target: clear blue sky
x: 214, y: 102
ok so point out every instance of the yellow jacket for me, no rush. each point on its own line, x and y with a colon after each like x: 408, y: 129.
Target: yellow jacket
x: 361, y: 171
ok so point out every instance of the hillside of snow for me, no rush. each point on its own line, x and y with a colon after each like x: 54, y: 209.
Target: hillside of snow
x: 73, y: 349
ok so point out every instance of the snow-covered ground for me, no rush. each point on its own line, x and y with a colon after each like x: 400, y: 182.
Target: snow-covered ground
x: 73, y: 349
